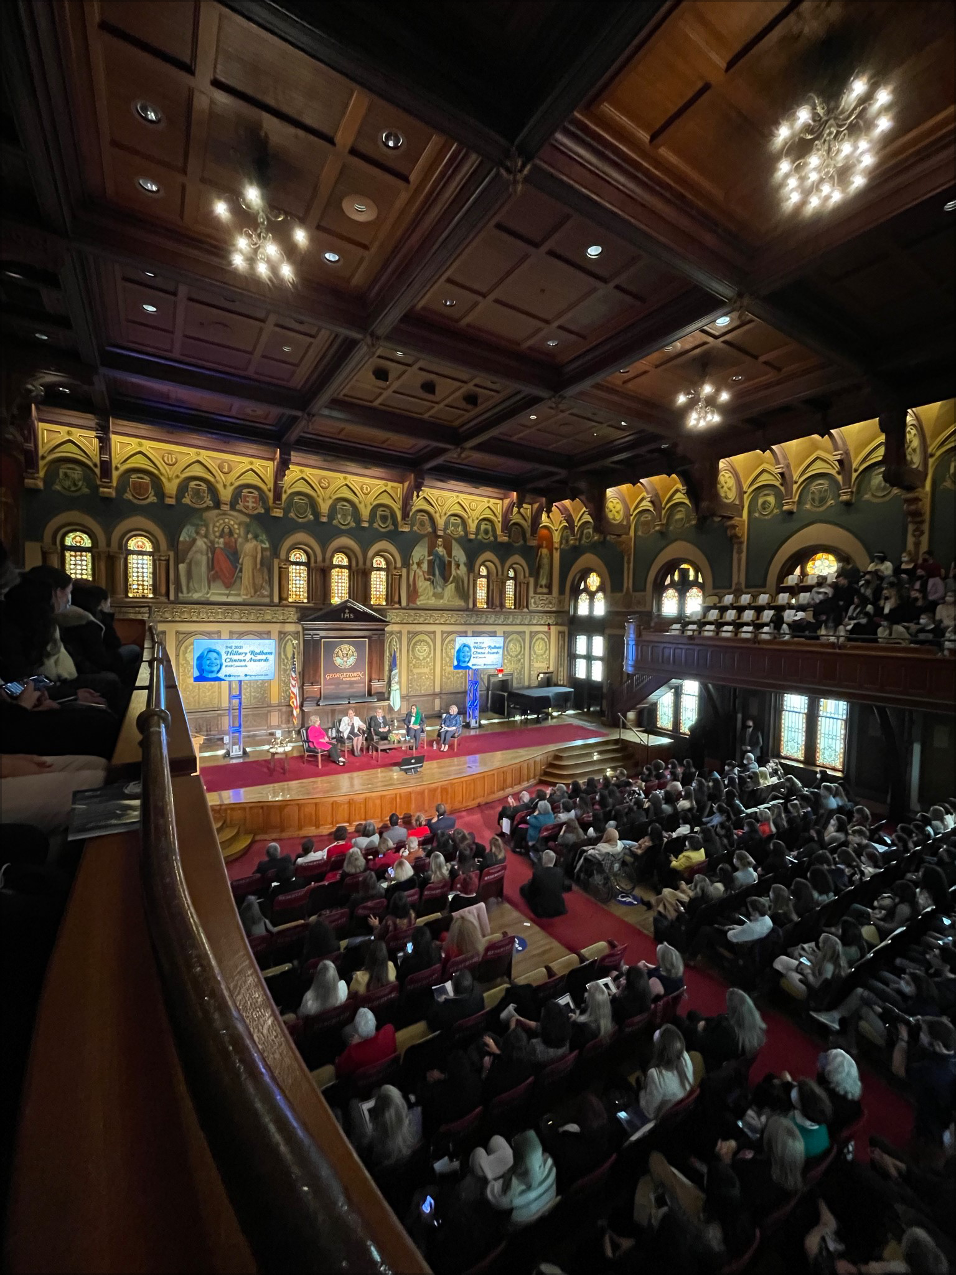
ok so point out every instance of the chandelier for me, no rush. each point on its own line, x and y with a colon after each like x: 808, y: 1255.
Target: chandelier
x: 828, y: 148
x: 255, y: 248
x: 703, y: 411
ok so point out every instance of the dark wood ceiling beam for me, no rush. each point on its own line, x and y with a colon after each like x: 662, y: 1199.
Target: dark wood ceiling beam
x: 672, y: 321
x: 150, y: 370
x: 486, y: 424
x: 227, y: 428
x: 469, y: 352
x: 342, y: 359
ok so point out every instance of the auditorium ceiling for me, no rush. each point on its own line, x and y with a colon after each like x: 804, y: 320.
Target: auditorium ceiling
x: 531, y: 226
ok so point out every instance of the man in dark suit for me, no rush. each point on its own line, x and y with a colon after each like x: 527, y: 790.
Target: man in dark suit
x: 443, y: 821
x: 274, y: 857
x: 378, y: 726
x: 751, y: 740
x: 465, y: 1001
x: 544, y: 893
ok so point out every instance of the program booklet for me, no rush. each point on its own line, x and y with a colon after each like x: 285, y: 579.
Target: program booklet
x: 98, y: 812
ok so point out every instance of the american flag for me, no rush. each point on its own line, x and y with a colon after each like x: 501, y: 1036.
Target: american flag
x: 294, y: 691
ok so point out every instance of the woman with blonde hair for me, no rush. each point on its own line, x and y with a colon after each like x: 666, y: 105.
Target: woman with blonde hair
x: 392, y: 1130
x: 402, y: 871
x: 495, y: 852
x: 781, y: 908
x: 595, y: 1021
x: 354, y: 863
x: 327, y: 990
x: 438, y: 868
x: 670, y: 1077
x: 810, y: 968
x: 463, y: 938
x: 667, y: 976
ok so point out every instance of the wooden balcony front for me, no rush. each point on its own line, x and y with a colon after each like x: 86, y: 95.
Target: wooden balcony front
x: 892, y: 676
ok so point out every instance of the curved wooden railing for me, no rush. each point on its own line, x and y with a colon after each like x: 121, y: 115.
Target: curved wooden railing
x: 287, y: 1199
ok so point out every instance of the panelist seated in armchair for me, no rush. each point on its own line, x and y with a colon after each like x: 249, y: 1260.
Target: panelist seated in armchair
x: 450, y: 727
x: 351, y: 731
x: 378, y: 727
x: 317, y: 741
x: 415, y: 726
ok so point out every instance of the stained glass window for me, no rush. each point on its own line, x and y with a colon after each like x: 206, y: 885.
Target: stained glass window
x: 510, y: 586
x: 689, y: 705
x: 681, y: 596
x: 339, y: 582
x: 584, y: 604
x: 378, y: 586
x: 78, y: 555
x: 139, y: 566
x: 481, y: 587
x: 298, y: 575
x: 831, y: 734
x: 821, y: 564
x: 665, y: 711
x: 599, y: 603
x: 593, y: 582
x: 793, y: 727
x: 590, y: 596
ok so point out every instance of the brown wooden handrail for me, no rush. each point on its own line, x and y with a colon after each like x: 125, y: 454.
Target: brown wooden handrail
x: 286, y: 1197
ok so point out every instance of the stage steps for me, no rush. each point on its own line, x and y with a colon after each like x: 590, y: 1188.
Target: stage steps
x: 593, y: 757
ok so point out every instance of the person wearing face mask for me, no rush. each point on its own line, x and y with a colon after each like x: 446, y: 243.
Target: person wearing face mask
x: 926, y: 630
x: 880, y: 565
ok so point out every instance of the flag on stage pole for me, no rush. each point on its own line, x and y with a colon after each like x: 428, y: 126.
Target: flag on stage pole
x: 394, y: 693
x: 294, y: 692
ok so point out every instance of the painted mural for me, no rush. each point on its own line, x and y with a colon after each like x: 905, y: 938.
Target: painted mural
x: 438, y: 573
x: 224, y: 557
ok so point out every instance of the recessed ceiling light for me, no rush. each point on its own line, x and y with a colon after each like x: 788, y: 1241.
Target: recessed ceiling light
x: 149, y: 274
x: 392, y: 139
x: 738, y: 377
x: 331, y: 257
x: 722, y: 321
x: 147, y: 184
x: 950, y: 207
x: 150, y: 309
x: 532, y: 418
x: 623, y: 422
x: 287, y: 349
x: 552, y: 342
x: 41, y: 336
x: 595, y: 250
x: 12, y: 274
x: 595, y: 433
x: 449, y: 301
x: 399, y: 354
x: 674, y: 345
x: 148, y: 112
x: 359, y: 208
x: 622, y: 370
x: 63, y: 389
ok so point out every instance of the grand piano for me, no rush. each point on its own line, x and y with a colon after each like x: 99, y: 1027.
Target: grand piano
x: 541, y: 700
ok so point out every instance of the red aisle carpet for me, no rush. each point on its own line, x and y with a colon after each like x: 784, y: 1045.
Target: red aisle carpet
x: 787, y: 1048
x: 251, y: 774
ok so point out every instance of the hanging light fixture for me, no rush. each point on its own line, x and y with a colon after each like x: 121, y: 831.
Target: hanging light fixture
x: 828, y: 148
x: 703, y: 412
x: 255, y: 249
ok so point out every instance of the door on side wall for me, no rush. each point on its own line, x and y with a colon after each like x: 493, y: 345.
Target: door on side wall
x: 587, y: 654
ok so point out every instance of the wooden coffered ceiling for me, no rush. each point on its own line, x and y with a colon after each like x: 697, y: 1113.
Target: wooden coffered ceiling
x: 465, y: 331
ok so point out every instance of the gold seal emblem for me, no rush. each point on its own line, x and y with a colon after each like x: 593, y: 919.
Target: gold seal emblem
x: 344, y: 655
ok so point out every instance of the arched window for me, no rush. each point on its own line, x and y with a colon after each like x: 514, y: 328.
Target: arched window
x: 298, y: 575
x: 681, y: 595
x: 511, y: 584
x: 821, y: 563
x: 77, y: 549
x: 589, y: 599
x: 378, y: 584
x: 481, y: 587
x: 139, y: 566
x: 340, y: 580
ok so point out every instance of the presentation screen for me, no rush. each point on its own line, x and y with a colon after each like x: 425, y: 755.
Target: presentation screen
x: 482, y: 651
x: 234, y: 659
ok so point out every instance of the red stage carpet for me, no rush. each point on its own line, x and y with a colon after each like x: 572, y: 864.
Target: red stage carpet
x: 251, y: 774
x: 787, y: 1049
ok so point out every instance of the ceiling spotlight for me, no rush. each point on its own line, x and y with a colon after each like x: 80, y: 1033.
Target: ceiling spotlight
x: 399, y: 354
x: 287, y: 349
x: 63, y: 389
x: 359, y: 207
x: 392, y: 139
x: 532, y: 418
x: 552, y: 342
x: 595, y: 250
x: 738, y: 377
x: 448, y: 301
x: 674, y: 345
x: 722, y: 321
x: 12, y: 274
x: 331, y: 257
x: 148, y: 112
x: 221, y: 208
x: 41, y: 336
x: 624, y: 423
x: 950, y: 206
x: 150, y: 309
x: 150, y: 274
x: 147, y: 184
x: 623, y: 370
x: 300, y: 236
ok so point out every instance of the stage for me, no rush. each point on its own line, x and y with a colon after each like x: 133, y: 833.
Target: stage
x: 299, y: 806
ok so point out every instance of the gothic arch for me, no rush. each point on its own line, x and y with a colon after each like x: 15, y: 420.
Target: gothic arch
x: 296, y: 538
x: 683, y: 551
x: 827, y: 533
x: 586, y: 562
x: 66, y: 522
x: 133, y: 524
